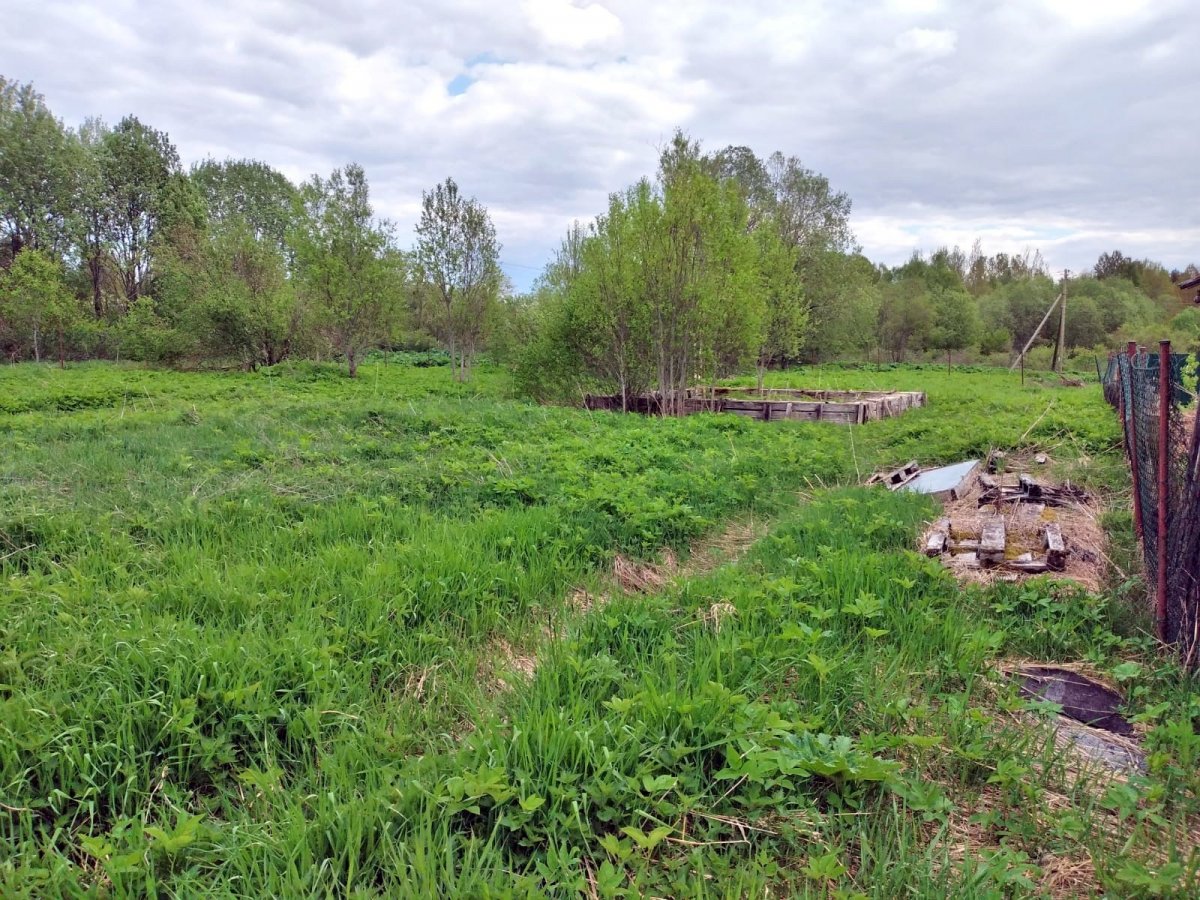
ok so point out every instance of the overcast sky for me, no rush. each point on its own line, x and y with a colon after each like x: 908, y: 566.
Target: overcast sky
x: 1069, y: 126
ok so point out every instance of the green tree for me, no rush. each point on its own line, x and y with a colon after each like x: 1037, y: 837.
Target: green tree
x: 230, y: 285
x: 1020, y: 305
x: 241, y: 193
x: 672, y: 282
x: 785, y: 319
x: 994, y: 340
x: 1114, y: 265
x: 1085, y: 325
x: 94, y: 214
x: 1117, y: 300
x: 226, y: 291
x: 458, y: 254
x: 144, y: 335
x: 813, y: 217
x: 843, y: 298
x: 35, y: 301
x: 830, y: 303
x: 609, y: 313
x: 905, y: 317
x: 955, y: 323
x: 142, y: 191
x: 347, y: 263
x: 702, y: 277
x: 37, y: 173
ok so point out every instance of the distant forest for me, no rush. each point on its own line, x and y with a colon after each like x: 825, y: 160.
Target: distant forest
x: 720, y: 262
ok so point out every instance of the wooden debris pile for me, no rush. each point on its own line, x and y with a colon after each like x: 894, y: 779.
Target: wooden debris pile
x: 1028, y: 490
x: 993, y: 549
x: 1008, y: 526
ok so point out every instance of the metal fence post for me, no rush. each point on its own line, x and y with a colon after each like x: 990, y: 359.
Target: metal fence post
x: 1131, y: 430
x: 1120, y: 380
x: 1164, y: 437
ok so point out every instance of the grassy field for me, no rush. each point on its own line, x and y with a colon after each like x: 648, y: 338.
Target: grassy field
x: 288, y: 634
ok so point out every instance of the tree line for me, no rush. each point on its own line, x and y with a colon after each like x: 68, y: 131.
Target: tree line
x: 726, y: 262
x: 112, y: 249
x: 721, y: 262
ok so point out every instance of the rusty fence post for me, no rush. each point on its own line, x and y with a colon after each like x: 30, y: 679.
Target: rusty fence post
x: 1131, y: 431
x: 1121, y: 411
x: 1164, y: 450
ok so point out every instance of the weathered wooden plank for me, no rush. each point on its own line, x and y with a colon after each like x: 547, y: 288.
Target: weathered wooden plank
x: 1044, y: 494
x: 839, y: 408
x: 992, y: 541
x: 1056, y: 547
x: 757, y: 405
x: 1029, y: 567
x: 936, y: 544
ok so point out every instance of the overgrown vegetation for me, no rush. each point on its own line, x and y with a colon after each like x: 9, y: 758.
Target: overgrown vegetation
x: 287, y: 633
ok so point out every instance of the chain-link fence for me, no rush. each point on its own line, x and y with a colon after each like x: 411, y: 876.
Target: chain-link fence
x: 1161, y: 446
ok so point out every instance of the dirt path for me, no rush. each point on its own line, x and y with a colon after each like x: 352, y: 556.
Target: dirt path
x: 503, y: 663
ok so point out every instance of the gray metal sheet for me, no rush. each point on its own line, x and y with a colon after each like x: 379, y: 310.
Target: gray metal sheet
x: 943, y: 480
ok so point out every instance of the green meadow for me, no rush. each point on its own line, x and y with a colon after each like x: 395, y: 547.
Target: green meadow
x: 285, y: 633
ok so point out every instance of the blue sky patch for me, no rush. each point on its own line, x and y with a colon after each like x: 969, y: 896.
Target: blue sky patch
x: 459, y: 84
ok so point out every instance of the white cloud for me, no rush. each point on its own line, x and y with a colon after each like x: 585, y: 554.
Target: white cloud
x: 928, y: 42
x: 1061, y: 125
x: 564, y: 24
x: 1097, y: 13
x: 915, y: 8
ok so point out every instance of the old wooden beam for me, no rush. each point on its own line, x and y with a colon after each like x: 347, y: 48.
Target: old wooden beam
x: 936, y: 544
x: 992, y: 541
x: 1056, y: 548
x: 1028, y: 567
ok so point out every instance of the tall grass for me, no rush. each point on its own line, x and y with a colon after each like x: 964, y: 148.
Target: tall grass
x: 253, y: 632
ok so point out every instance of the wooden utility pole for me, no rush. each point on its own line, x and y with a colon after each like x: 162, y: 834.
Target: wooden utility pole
x: 1020, y: 360
x: 1060, y: 346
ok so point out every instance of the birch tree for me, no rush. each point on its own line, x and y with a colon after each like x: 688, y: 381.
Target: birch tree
x: 347, y: 262
x: 458, y: 254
